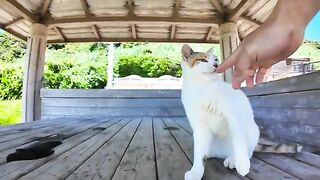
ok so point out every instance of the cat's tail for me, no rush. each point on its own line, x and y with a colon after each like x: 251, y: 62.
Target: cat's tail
x: 278, y: 148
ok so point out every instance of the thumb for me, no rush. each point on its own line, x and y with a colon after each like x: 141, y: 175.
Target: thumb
x: 228, y: 63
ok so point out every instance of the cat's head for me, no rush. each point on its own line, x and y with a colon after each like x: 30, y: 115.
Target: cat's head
x: 198, y: 62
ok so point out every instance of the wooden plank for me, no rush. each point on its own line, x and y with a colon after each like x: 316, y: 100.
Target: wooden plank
x: 171, y: 162
x: 218, y: 6
x: 250, y: 20
x: 296, y: 132
x: 139, y: 160
x: 14, y: 22
x: 241, y: 8
x: 17, y: 7
x: 32, y: 137
x: 262, y: 170
x: 213, y: 170
x: 184, y: 123
x: 134, y: 20
x: 290, y: 165
x: 64, y: 132
x: 288, y: 115
x: 25, y: 167
x: 308, y: 158
x: 110, y: 93
x: 105, y: 102
x: 132, y: 111
x: 307, y: 99
x: 176, y: 7
x: 130, y: 8
x: 108, y: 156
x: 305, y: 82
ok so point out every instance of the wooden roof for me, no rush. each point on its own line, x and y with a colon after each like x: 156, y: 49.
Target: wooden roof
x: 132, y: 20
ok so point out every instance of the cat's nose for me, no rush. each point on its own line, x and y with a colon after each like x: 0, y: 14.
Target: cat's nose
x: 215, y: 65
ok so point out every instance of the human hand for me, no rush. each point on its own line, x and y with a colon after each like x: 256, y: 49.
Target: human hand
x: 276, y: 39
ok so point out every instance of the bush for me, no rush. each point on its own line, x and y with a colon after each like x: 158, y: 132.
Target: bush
x: 74, y: 75
x: 11, y: 80
x: 147, y: 66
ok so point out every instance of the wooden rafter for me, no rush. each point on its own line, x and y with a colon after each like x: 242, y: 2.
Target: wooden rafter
x: 209, y: 33
x: 133, y: 40
x: 59, y: 32
x: 250, y: 20
x: 16, y: 6
x: 134, y: 31
x: 13, y: 22
x: 134, y: 20
x: 96, y: 31
x: 18, y: 35
x: 85, y: 7
x: 173, y: 32
x: 45, y: 7
x: 130, y: 8
x: 176, y: 8
x: 218, y: 6
x: 237, y: 12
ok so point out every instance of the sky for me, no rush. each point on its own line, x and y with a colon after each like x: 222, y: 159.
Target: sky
x: 313, y: 29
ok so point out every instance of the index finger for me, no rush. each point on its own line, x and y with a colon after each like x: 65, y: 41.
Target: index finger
x: 229, y: 62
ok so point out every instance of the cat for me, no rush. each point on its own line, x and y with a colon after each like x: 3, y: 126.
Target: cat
x: 221, y: 117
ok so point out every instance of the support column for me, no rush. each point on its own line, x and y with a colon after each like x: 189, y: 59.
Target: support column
x: 110, y: 65
x: 229, y: 41
x: 33, y: 72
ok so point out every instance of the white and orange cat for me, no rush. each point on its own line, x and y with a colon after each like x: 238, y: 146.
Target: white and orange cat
x: 221, y: 117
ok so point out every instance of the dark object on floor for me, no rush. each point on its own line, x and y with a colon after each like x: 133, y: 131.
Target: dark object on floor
x: 37, y: 150
x: 171, y: 128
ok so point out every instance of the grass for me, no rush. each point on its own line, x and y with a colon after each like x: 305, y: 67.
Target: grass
x: 10, y: 112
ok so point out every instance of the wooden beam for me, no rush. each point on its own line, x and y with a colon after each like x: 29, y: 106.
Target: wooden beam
x: 15, y: 34
x: 75, y: 40
x: 134, y: 31
x: 96, y: 32
x: 45, y: 7
x: 85, y: 7
x: 59, y: 32
x: 173, y: 32
x: 135, y: 20
x: 16, y: 6
x: 176, y: 8
x: 237, y: 12
x: 13, y: 22
x: 209, y: 33
x: 250, y: 20
x: 130, y: 8
x: 218, y: 6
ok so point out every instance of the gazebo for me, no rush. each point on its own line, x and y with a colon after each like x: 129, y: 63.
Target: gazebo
x: 143, y: 134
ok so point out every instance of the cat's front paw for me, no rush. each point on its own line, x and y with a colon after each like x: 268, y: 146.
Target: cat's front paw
x: 243, y: 166
x: 193, y: 175
x: 229, y: 163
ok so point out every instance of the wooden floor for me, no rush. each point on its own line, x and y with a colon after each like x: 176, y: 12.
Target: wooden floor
x: 130, y: 148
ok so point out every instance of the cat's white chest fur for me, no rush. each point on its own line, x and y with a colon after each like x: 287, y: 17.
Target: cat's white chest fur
x: 221, y: 117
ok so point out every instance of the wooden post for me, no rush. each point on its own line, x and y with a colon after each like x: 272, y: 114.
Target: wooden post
x: 110, y: 65
x: 33, y: 72
x: 229, y: 41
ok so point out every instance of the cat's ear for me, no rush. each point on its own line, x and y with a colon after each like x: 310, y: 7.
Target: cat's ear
x: 210, y: 51
x: 186, y: 51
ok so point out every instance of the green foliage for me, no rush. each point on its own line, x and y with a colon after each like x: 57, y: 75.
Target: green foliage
x: 75, y: 75
x: 147, y: 66
x: 11, y: 48
x: 11, y: 82
x: 10, y: 112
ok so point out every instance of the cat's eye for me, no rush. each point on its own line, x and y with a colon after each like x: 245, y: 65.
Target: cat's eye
x: 216, y: 60
x: 203, y: 60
